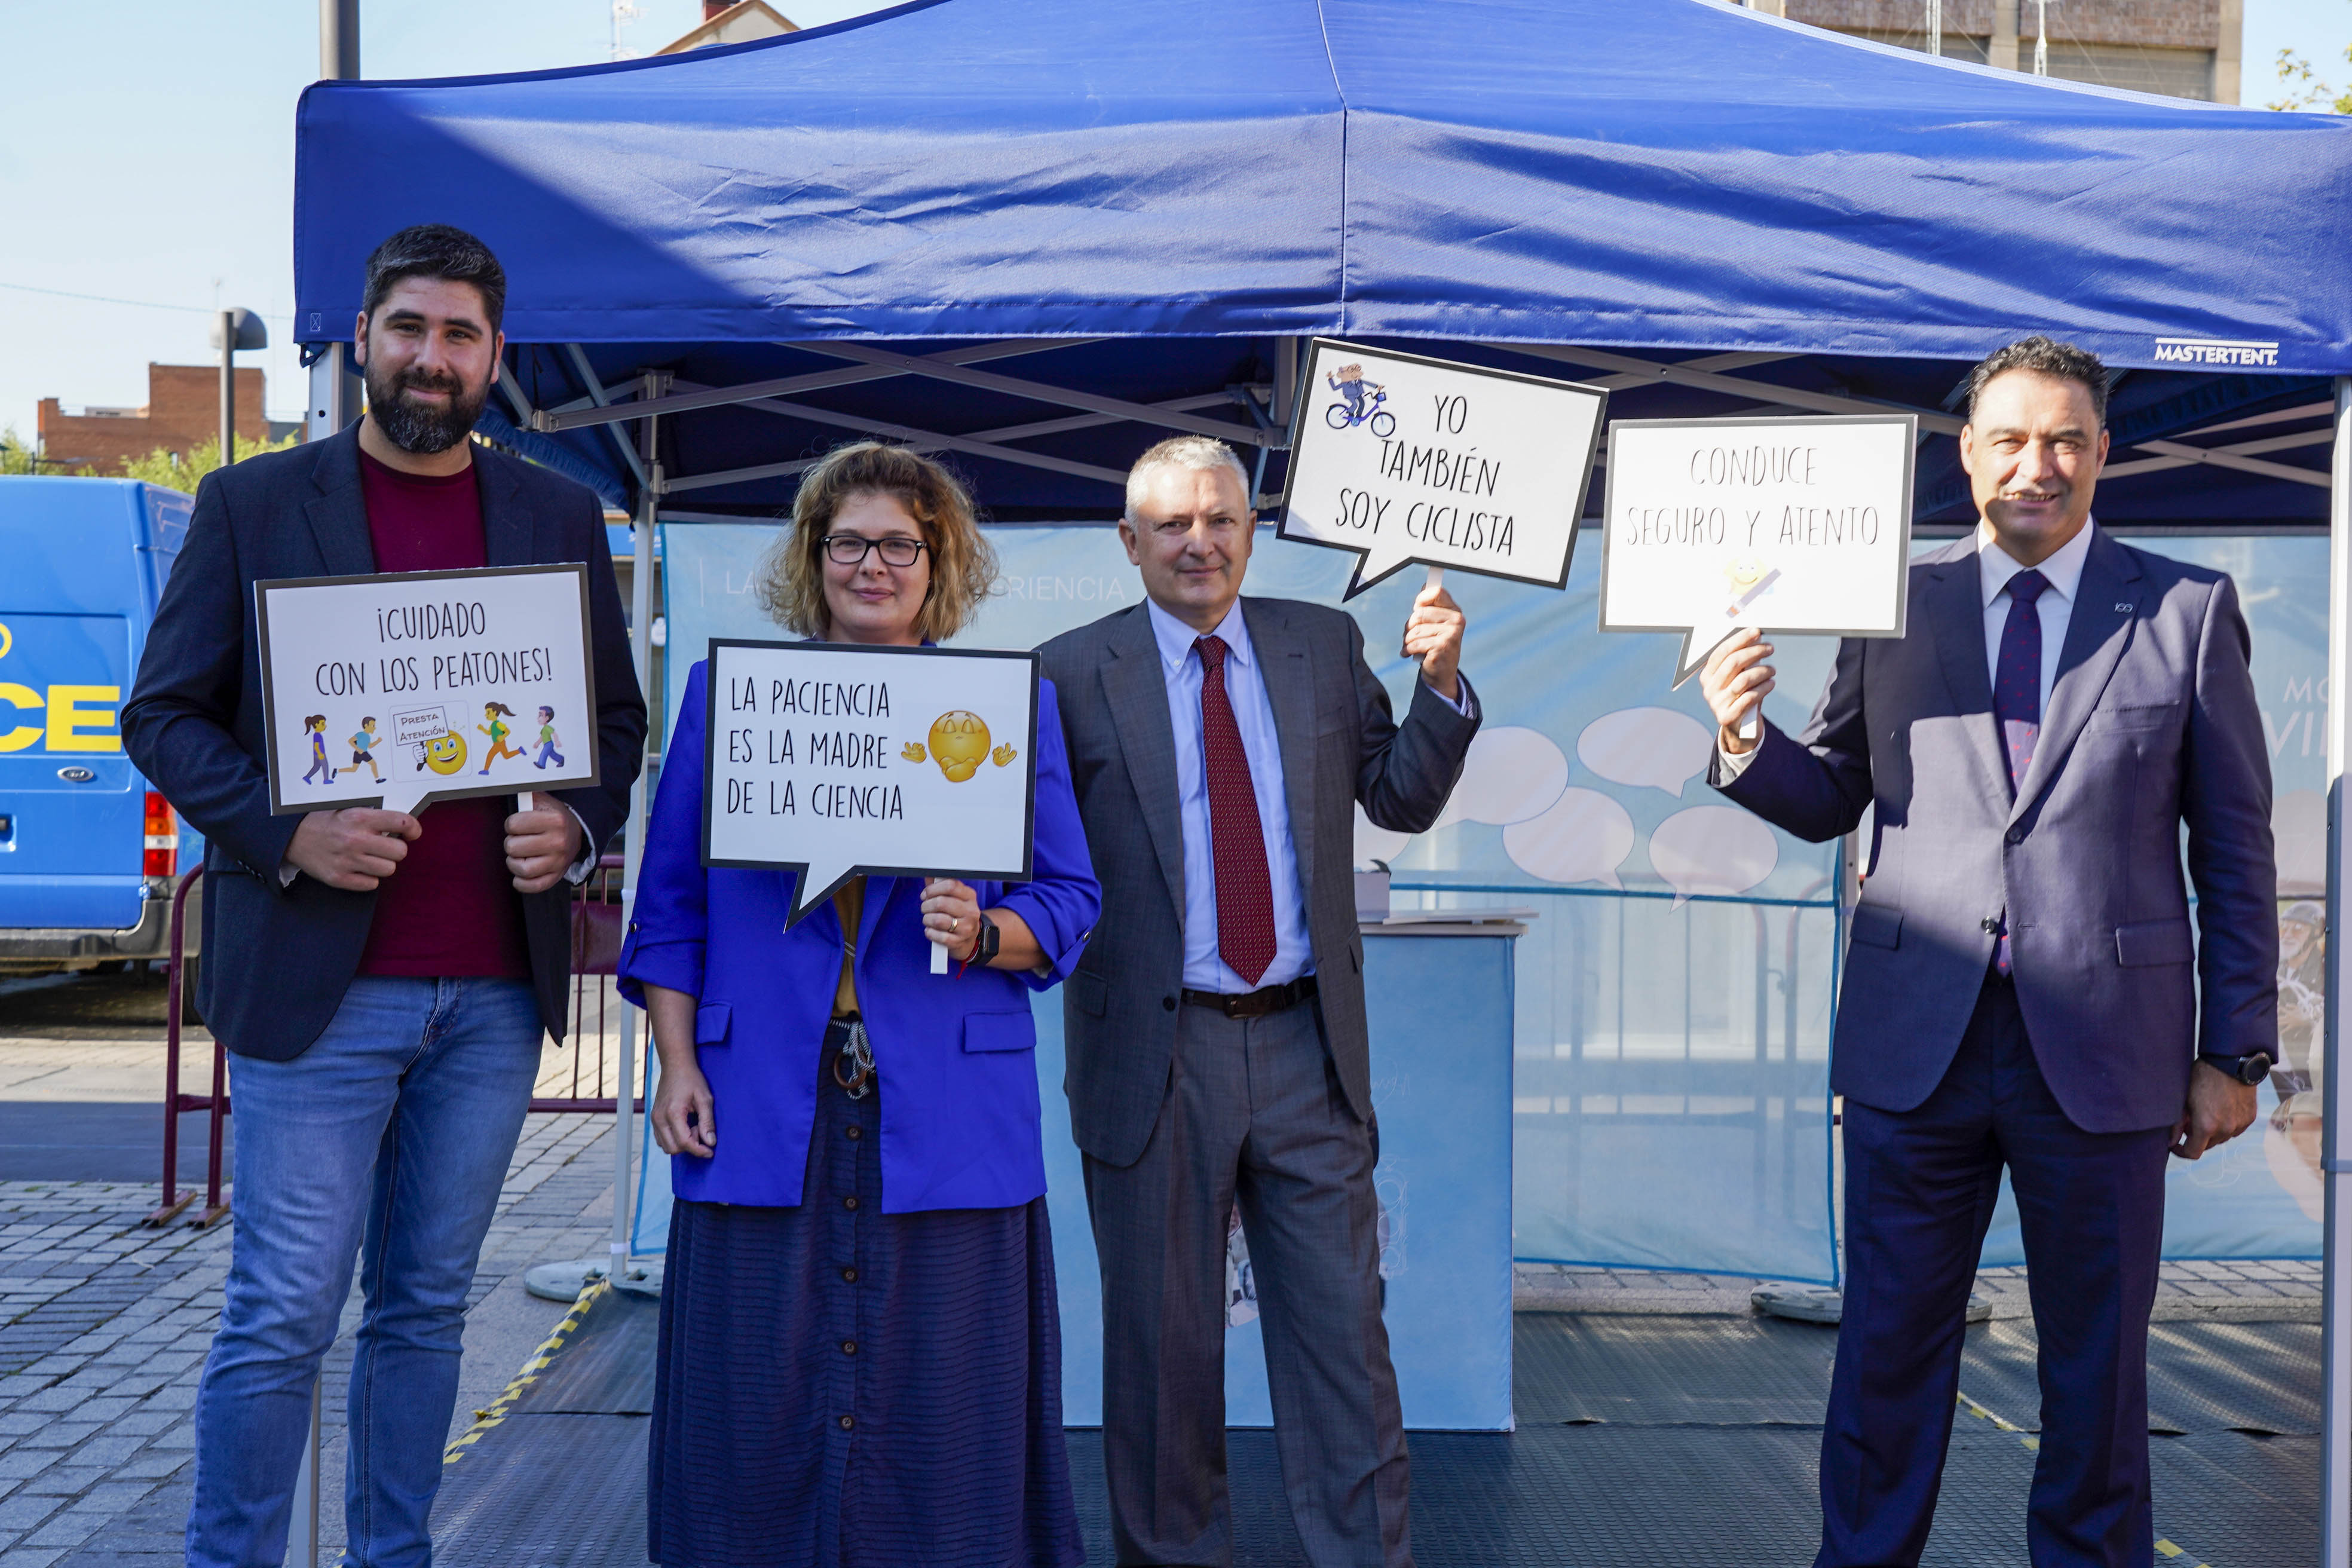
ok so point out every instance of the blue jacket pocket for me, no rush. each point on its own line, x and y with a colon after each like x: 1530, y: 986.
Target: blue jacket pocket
x: 1876, y: 925
x: 2153, y: 942
x: 710, y: 1022
x: 1000, y: 1031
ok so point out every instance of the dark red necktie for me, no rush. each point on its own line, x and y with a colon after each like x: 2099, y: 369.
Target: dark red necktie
x: 2017, y: 693
x: 1237, y: 841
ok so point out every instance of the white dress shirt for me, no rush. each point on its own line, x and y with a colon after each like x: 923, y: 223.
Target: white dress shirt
x: 1995, y: 567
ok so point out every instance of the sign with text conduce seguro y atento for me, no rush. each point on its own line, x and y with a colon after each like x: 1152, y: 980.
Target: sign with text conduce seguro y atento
x: 406, y: 688
x: 836, y: 761
x: 1791, y: 525
x: 1401, y: 459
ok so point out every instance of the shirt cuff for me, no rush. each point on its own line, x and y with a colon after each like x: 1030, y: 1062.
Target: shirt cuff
x: 1729, y: 765
x: 287, y: 872
x: 1468, y: 705
x: 579, y: 869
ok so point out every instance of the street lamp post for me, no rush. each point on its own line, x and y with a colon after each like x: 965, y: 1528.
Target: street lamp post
x: 233, y: 330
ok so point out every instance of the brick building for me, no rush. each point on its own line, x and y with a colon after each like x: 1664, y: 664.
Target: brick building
x: 183, y: 411
x: 2188, y: 49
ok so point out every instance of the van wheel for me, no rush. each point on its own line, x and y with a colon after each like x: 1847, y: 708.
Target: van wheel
x: 189, y: 969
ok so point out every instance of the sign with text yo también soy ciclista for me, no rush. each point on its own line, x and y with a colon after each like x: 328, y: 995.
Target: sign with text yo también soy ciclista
x: 405, y: 688
x: 836, y: 761
x: 1401, y: 459
x: 1791, y: 525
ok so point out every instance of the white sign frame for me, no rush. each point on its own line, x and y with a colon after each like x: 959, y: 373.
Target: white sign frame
x: 718, y: 669
x: 587, y: 772
x: 1700, y: 638
x: 1313, y: 448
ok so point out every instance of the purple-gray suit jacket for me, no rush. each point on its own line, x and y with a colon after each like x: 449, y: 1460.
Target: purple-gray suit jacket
x: 2151, y: 725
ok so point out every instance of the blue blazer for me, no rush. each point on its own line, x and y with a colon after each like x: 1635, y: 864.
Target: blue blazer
x: 955, y: 1053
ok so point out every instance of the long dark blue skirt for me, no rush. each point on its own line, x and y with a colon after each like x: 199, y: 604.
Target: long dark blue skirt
x: 843, y: 1388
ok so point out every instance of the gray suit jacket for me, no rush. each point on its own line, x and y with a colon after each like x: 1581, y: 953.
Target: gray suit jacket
x: 2152, y: 725
x: 1339, y: 745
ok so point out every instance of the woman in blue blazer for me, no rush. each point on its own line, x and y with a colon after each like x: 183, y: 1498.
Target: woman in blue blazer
x: 860, y: 1351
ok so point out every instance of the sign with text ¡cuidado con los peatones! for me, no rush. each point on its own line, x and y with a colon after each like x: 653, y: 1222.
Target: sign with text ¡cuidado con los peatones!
x: 404, y: 688
x: 1795, y: 525
x: 835, y: 762
x: 1401, y: 459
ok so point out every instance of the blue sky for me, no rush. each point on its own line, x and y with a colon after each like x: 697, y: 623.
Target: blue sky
x: 151, y: 158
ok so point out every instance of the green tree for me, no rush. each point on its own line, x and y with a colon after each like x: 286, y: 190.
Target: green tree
x: 174, y: 472
x: 15, y: 458
x: 2300, y: 87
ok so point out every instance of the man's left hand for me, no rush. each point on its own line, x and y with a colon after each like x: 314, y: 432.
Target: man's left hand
x: 2219, y: 1109
x: 1433, y: 634
x: 541, y: 844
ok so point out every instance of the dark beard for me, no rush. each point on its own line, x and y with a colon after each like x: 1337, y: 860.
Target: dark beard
x: 415, y: 427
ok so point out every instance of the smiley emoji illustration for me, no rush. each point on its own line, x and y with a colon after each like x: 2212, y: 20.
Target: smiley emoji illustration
x: 446, y: 753
x: 1748, y: 579
x: 959, y: 745
x: 912, y: 752
x: 1003, y: 754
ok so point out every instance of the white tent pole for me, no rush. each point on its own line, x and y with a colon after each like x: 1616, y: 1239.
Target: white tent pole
x: 641, y: 628
x: 2336, y: 1353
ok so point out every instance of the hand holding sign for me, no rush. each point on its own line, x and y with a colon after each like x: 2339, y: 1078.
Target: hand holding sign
x: 1401, y: 459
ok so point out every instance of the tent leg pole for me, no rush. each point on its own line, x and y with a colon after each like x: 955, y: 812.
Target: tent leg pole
x: 641, y: 626
x: 2336, y: 1353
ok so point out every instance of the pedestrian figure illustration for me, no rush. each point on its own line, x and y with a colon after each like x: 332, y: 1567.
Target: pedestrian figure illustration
x: 363, y: 749
x: 498, y: 730
x: 315, y: 726
x: 549, y: 740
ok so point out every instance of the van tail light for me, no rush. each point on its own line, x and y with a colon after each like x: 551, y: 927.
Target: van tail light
x: 163, y: 852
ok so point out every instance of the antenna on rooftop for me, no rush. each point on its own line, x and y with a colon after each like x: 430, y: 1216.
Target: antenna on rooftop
x: 2041, y: 37
x: 623, y: 15
x: 1935, y: 27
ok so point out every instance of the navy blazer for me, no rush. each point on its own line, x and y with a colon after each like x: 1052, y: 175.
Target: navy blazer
x: 278, y: 959
x: 2152, y: 725
x: 955, y: 1053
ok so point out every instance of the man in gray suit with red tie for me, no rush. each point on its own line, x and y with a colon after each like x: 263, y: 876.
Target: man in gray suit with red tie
x: 1215, y: 1025
x: 2022, y: 988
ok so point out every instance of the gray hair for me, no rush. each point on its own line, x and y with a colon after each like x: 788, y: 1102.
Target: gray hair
x: 2045, y: 356
x: 1199, y: 453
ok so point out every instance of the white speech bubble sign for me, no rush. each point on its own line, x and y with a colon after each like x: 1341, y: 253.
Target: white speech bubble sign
x: 1653, y: 747
x: 1791, y: 525
x: 1399, y: 458
x: 455, y: 669
x: 837, y: 762
x: 1718, y: 849
x: 1374, y: 842
x: 1582, y: 837
x: 1509, y: 774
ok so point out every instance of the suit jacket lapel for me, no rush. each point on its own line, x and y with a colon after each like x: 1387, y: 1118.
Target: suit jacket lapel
x: 338, y: 513
x: 1289, y: 672
x: 2097, y: 635
x: 1136, y: 691
x: 506, y: 531
x: 1954, y: 605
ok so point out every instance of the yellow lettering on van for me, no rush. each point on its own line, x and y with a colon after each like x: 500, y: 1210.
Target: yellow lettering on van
x: 67, y: 717
x: 23, y: 735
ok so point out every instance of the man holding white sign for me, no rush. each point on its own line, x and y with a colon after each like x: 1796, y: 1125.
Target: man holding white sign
x: 2023, y: 988
x: 382, y: 980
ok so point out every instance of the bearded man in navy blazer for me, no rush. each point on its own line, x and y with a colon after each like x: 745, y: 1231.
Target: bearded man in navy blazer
x: 2023, y: 986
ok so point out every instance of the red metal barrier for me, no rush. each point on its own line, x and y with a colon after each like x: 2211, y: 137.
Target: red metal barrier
x: 596, y: 936
x: 175, y: 1103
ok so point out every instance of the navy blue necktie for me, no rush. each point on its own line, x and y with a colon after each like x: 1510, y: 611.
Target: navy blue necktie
x: 2017, y: 691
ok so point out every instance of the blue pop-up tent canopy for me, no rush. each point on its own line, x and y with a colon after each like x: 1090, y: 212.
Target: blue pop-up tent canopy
x: 1824, y: 224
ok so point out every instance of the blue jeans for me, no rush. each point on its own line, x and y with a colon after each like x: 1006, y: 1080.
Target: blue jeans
x: 388, y: 1139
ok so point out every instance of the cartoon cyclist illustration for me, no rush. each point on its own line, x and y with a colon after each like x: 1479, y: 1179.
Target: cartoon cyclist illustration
x: 315, y: 726
x: 1359, y: 402
x: 498, y: 730
x: 549, y: 740
x: 363, y: 749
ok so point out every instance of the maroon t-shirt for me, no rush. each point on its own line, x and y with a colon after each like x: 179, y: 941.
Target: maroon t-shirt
x: 451, y: 909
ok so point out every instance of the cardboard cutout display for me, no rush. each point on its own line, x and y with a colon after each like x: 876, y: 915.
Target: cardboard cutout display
x: 405, y: 688
x: 837, y: 762
x: 1401, y: 459
x: 1792, y: 525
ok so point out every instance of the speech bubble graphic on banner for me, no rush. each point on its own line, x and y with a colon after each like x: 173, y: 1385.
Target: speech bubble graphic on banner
x: 1711, y: 849
x: 1401, y: 459
x: 1511, y: 774
x: 1374, y: 842
x: 1795, y: 525
x: 1653, y: 747
x: 398, y: 689
x: 836, y: 761
x: 1582, y: 837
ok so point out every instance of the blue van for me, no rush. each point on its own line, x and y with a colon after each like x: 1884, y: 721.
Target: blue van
x: 88, y: 852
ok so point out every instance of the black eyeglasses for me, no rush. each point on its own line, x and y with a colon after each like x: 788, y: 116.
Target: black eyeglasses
x: 849, y: 548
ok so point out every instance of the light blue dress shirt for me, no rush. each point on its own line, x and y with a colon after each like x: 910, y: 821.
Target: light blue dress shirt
x: 1294, y: 951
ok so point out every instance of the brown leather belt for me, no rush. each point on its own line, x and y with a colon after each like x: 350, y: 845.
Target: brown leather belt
x: 1254, y: 1004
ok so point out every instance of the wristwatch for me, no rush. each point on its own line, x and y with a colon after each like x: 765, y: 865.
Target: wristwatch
x: 989, y: 939
x: 2251, y: 1068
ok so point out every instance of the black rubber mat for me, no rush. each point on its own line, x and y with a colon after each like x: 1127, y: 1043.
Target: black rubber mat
x: 605, y: 1366
x: 546, y: 1491
x: 2202, y: 1376
x: 1669, y: 1372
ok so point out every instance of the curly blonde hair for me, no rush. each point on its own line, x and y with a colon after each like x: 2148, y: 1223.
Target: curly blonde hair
x: 790, y: 585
